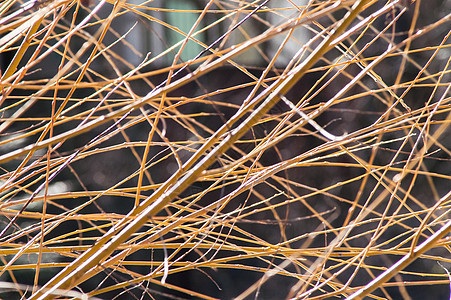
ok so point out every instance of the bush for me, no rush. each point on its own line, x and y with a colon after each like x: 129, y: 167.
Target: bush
x: 262, y: 149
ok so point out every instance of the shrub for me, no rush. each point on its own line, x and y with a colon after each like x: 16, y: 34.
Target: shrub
x: 262, y: 149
